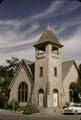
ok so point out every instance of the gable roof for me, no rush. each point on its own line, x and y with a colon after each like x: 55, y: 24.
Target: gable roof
x: 48, y: 37
x: 66, y: 65
x: 29, y: 65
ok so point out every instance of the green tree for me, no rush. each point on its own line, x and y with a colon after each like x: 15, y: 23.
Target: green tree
x: 80, y: 71
x: 77, y: 89
x: 7, y: 72
x: 12, y: 67
x: 3, y: 73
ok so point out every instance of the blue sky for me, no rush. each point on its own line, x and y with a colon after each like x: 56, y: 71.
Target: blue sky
x: 23, y: 21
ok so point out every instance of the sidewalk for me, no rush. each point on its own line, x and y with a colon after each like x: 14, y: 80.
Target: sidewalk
x: 49, y: 111
x: 52, y: 111
x: 4, y: 111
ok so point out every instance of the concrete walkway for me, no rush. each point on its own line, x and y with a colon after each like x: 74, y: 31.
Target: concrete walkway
x: 50, y: 111
x: 4, y: 111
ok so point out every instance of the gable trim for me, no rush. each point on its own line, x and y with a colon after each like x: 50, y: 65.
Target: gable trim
x: 18, y: 70
x: 73, y: 62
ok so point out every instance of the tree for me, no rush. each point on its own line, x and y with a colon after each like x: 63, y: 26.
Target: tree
x: 80, y: 71
x: 12, y: 67
x: 7, y: 72
x: 77, y: 89
x: 3, y: 72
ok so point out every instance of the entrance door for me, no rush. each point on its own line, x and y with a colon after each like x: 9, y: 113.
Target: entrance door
x: 55, y: 98
x: 41, y: 97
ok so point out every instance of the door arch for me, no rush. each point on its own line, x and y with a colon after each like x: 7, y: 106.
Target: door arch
x: 41, y: 98
x: 55, y: 98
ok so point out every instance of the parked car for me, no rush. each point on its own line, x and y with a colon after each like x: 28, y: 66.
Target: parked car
x: 73, y: 109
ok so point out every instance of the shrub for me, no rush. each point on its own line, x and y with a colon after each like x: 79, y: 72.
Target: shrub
x: 66, y: 105
x: 2, y: 101
x: 30, y: 109
x: 6, y: 105
x: 13, y: 105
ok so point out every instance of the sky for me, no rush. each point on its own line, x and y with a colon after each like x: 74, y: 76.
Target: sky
x: 22, y: 22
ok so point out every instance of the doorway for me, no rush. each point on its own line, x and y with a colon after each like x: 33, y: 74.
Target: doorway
x: 55, y: 98
x: 41, y: 98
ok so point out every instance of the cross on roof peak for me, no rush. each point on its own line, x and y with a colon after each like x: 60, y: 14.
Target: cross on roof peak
x: 48, y: 27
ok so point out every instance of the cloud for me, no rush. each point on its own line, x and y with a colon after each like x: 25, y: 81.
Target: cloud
x: 51, y: 9
x: 72, y: 47
x: 15, y: 25
x: 56, y: 9
x: 19, y: 47
x: 72, y: 7
x: 66, y: 27
x: 15, y: 48
x: 28, y: 54
x: 18, y: 36
x: 9, y: 25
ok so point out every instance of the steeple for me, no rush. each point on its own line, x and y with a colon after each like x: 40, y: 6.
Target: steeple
x: 48, y: 37
x: 48, y: 76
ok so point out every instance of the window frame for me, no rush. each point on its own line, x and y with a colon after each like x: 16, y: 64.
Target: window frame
x: 23, y: 92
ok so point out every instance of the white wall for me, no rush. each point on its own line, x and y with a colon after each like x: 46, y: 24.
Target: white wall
x: 20, y: 77
x: 72, y: 76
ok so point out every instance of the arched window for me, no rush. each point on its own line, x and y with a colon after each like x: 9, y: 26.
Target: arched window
x: 23, y: 92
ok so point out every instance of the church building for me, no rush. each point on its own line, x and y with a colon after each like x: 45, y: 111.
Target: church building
x: 47, y: 81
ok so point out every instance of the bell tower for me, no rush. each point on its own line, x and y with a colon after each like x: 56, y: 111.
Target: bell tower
x: 48, y: 71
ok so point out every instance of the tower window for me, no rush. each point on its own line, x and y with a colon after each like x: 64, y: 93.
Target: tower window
x: 55, y: 50
x: 41, y: 71
x: 55, y: 71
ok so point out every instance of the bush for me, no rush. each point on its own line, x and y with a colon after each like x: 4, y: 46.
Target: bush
x: 13, y: 105
x: 30, y: 109
x: 6, y: 105
x: 66, y: 105
x: 2, y: 102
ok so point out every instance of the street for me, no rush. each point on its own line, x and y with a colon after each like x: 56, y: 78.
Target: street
x: 39, y: 117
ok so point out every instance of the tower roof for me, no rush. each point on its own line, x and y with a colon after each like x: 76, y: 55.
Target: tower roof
x: 48, y: 37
